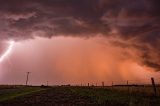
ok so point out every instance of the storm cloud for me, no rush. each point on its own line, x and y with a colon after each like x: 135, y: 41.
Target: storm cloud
x: 133, y: 21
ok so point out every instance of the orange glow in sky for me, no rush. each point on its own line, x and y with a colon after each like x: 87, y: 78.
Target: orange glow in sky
x: 72, y: 60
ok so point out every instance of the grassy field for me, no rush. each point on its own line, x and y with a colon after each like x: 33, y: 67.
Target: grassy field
x: 81, y: 96
x: 120, y: 96
x: 11, y: 92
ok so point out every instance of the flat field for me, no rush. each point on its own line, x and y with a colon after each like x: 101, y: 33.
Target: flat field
x: 81, y: 96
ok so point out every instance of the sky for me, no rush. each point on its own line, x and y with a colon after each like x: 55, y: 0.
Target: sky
x: 79, y: 41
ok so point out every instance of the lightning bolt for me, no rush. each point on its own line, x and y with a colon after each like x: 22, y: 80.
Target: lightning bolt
x: 8, y: 50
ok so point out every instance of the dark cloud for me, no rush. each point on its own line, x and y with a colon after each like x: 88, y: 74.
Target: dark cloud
x: 128, y: 19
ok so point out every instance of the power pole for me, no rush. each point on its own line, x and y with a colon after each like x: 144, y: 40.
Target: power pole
x: 27, y: 78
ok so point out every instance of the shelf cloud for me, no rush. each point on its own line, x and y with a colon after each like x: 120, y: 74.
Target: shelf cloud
x: 135, y: 22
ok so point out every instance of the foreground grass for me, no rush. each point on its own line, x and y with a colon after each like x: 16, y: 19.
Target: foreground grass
x: 89, y: 96
x: 9, y: 94
x: 103, y: 96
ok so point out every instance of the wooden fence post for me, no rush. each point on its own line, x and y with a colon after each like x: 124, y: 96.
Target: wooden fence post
x: 154, y: 86
x: 102, y: 84
x: 128, y: 86
x: 112, y: 85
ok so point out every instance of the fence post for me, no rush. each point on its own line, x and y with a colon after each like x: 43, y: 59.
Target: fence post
x: 154, y: 86
x: 47, y: 83
x: 112, y: 85
x: 88, y: 84
x: 128, y: 86
x: 102, y: 84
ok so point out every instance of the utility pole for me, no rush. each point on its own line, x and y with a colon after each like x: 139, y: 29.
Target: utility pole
x: 27, y: 78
